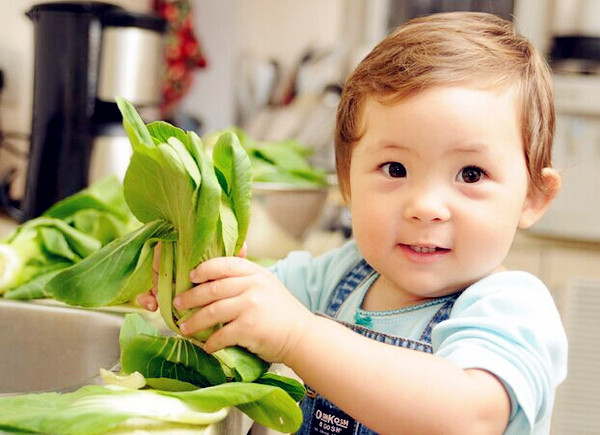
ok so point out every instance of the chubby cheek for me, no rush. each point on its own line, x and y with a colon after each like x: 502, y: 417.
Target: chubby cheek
x: 486, y: 240
x: 372, y: 221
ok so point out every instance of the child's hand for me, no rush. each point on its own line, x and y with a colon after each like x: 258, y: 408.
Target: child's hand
x: 257, y: 311
x: 148, y: 300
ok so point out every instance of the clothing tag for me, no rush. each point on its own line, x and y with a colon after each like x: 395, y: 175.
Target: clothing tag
x: 363, y: 320
x: 327, y: 419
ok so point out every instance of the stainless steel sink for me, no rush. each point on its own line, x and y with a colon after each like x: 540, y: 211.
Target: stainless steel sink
x: 52, y: 347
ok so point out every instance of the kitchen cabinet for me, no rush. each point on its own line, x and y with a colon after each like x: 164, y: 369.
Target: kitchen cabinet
x: 557, y: 262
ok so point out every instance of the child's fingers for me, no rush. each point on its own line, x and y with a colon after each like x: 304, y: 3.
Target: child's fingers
x: 222, y: 338
x: 222, y: 267
x: 243, y: 251
x: 219, y: 312
x: 148, y: 301
x: 208, y: 292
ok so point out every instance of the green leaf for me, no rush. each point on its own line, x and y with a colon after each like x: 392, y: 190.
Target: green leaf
x: 207, y: 207
x: 291, y: 386
x: 228, y: 226
x: 281, y: 155
x: 35, y: 288
x: 100, y: 279
x: 96, y: 409
x: 104, y: 227
x: 144, y: 350
x: 245, y: 366
x: 167, y: 384
x: 136, y: 130
x: 171, y: 357
x: 80, y: 243
x: 186, y: 159
x: 157, y: 186
x: 105, y: 195
x: 232, y: 162
x: 54, y: 242
x: 162, y: 131
x: 267, y: 405
x: 134, y: 325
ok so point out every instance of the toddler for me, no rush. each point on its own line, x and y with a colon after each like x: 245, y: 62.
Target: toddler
x: 443, y: 151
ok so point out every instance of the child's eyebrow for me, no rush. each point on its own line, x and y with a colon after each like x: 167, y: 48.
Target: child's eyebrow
x: 389, y: 145
x: 476, y: 148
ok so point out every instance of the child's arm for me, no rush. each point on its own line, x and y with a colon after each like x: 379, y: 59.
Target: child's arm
x: 389, y: 389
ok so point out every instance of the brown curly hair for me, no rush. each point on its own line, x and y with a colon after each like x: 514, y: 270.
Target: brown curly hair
x: 456, y: 48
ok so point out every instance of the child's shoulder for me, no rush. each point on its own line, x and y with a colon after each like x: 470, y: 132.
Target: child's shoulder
x: 515, y: 292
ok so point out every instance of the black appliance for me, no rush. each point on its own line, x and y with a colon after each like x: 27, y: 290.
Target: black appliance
x: 85, y: 53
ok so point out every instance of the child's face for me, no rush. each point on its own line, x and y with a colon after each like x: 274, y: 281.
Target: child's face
x: 438, y: 187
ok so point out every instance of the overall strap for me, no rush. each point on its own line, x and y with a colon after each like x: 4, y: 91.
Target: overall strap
x: 352, y: 280
x: 349, y: 282
x: 442, y: 314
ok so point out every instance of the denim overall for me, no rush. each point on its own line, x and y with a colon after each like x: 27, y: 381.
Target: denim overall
x: 320, y: 415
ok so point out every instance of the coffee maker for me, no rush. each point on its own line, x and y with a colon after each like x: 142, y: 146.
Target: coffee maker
x: 86, y: 54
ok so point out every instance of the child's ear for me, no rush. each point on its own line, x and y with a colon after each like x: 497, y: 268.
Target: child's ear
x: 538, y: 200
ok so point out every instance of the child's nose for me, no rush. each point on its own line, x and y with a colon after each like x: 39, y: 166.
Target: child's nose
x: 427, y: 205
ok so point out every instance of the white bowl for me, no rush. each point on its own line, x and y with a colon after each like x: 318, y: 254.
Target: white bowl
x: 281, y: 216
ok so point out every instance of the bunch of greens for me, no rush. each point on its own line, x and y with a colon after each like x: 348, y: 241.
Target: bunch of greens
x: 197, y: 208
x: 173, y: 369
x: 69, y: 231
x: 281, y: 161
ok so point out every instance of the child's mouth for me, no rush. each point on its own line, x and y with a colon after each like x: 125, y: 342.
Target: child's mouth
x: 423, y: 249
x: 423, y: 254
x: 426, y: 249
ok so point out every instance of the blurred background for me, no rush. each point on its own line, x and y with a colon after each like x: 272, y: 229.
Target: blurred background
x: 274, y: 69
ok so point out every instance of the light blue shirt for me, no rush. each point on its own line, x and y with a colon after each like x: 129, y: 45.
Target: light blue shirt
x: 507, y: 324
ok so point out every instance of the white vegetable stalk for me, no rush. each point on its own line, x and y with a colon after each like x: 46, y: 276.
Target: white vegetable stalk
x: 14, y: 257
x: 149, y: 404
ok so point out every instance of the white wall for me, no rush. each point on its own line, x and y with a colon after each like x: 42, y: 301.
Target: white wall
x: 280, y: 29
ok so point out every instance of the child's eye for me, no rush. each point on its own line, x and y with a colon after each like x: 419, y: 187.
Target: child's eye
x: 394, y: 169
x: 470, y: 174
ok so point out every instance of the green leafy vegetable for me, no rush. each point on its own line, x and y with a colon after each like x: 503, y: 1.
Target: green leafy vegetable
x: 174, y: 369
x: 98, y: 409
x: 281, y: 161
x: 196, y: 207
x: 116, y: 273
x: 69, y: 231
x: 145, y: 350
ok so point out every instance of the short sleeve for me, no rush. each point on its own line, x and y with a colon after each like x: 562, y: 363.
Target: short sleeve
x: 508, y: 325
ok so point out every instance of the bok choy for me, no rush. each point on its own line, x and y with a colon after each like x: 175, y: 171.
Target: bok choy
x: 66, y: 233
x: 196, y: 207
x: 158, y: 390
x: 100, y: 409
